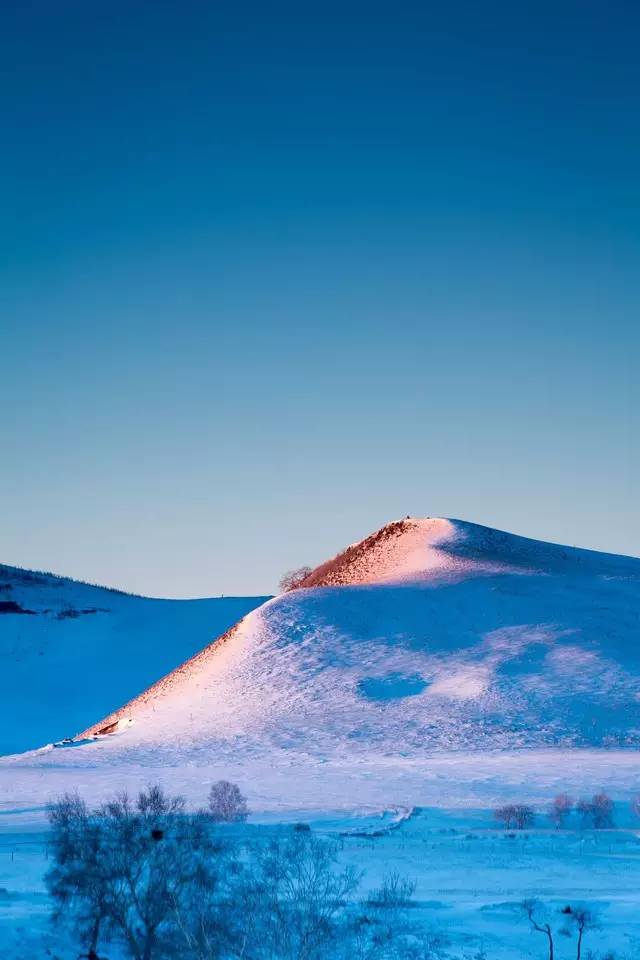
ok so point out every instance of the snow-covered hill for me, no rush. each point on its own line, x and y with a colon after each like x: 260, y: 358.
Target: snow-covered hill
x: 440, y: 634
x: 71, y: 651
x: 432, y: 645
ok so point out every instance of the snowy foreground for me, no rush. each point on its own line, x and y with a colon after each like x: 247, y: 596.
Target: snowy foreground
x: 470, y: 880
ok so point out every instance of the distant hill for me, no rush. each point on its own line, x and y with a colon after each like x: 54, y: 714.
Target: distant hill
x: 71, y: 651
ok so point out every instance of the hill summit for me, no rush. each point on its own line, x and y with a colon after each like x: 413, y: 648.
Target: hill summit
x: 433, y: 547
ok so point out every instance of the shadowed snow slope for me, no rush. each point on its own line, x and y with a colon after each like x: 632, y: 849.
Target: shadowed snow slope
x: 430, y: 638
x: 70, y: 650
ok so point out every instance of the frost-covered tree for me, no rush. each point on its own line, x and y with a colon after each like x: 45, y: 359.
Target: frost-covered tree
x: 166, y: 884
x: 78, y: 881
x: 157, y: 856
x: 294, y: 898
x: 226, y: 803
x: 125, y: 868
x: 289, y: 899
x: 207, y: 922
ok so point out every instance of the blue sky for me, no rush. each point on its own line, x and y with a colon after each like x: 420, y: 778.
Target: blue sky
x: 274, y: 274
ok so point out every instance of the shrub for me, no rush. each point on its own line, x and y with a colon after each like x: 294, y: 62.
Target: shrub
x: 395, y: 893
x: 293, y: 578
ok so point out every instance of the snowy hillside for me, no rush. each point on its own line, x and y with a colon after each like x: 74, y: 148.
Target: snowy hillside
x: 470, y: 638
x: 71, y: 651
x: 433, y: 645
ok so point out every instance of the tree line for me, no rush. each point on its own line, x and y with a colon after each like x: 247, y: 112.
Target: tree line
x: 595, y: 812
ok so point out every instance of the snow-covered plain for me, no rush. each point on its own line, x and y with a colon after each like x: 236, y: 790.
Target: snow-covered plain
x: 436, y: 664
x: 470, y: 881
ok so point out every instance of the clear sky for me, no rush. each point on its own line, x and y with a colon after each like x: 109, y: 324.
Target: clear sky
x: 274, y: 274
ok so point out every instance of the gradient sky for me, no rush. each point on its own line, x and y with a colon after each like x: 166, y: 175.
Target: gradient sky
x: 274, y: 274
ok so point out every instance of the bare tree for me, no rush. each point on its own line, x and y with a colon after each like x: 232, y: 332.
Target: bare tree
x: 531, y: 908
x: 167, y: 885
x: 560, y: 810
x: 78, y: 882
x: 294, y: 898
x: 524, y: 816
x: 208, y: 924
x: 506, y: 816
x: 603, y: 811
x: 516, y: 816
x: 123, y: 867
x: 156, y: 853
x: 597, y: 812
x: 226, y: 803
x: 585, y: 808
x: 292, y: 579
x: 583, y: 920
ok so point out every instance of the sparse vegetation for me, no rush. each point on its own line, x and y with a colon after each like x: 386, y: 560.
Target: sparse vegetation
x: 293, y: 579
x: 395, y: 893
x: 20, y: 575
